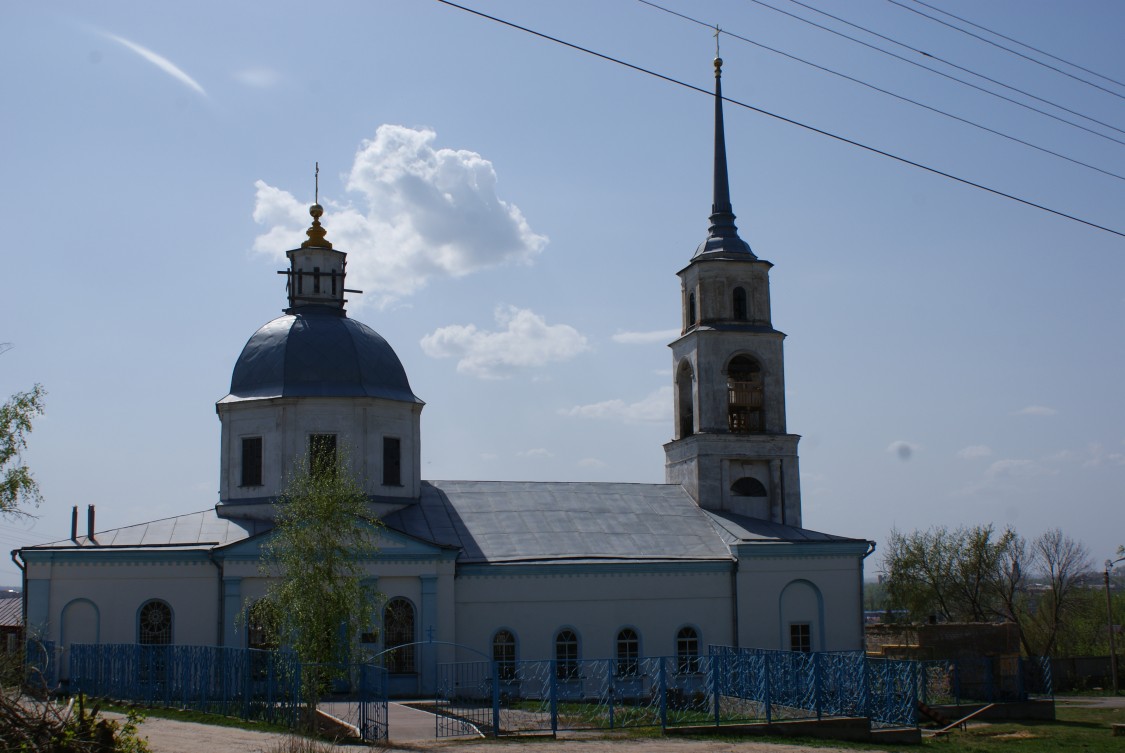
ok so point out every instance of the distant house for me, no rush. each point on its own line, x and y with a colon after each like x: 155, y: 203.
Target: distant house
x: 11, y: 620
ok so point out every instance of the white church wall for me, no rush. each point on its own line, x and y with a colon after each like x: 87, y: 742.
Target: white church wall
x: 285, y: 424
x: 114, y: 593
x: 821, y: 591
x: 596, y: 605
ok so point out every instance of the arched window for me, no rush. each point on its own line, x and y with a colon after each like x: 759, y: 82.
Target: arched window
x: 739, y: 297
x: 566, y: 655
x: 685, y: 399
x: 748, y: 487
x: 687, y: 651
x: 504, y: 654
x: 745, y: 398
x: 154, y: 623
x: 628, y: 653
x: 691, y: 310
x: 398, y: 630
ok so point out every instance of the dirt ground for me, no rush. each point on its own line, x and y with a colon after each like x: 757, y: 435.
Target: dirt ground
x: 167, y: 736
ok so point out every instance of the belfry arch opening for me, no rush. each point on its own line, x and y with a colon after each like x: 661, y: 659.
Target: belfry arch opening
x: 685, y: 400
x: 738, y: 304
x: 745, y: 403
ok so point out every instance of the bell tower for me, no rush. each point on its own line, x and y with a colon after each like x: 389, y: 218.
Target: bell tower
x: 731, y: 451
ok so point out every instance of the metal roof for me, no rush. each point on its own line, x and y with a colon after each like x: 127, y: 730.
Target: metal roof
x: 512, y: 521
x: 202, y: 529
x: 318, y: 352
x: 11, y: 610
x: 501, y: 522
x: 737, y: 529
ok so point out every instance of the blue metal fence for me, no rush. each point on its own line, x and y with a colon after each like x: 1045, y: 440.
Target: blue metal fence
x: 247, y: 683
x: 985, y: 680
x: 728, y: 686
x: 41, y: 665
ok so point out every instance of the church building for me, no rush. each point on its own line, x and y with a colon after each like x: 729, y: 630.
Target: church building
x: 716, y: 555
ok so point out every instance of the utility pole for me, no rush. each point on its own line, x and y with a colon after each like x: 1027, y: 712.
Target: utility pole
x: 1109, y: 617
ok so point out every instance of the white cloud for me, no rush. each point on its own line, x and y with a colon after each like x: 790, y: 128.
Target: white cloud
x: 537, y: 452
x: 1035, y: 410
x: 657, y: 406
x: 420, y: 212
x: 1094, y: 456
x: 903, y: 449
x: 160, y: 62
x: 524, y: 340
x: 975, y: 451
x: 1018, y: 468
x: 258, y: 77
x: 646, y: 338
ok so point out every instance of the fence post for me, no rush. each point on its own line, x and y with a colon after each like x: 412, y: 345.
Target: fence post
x: 663, y: 693
x: 923, y: 680
x: 957, y: 682
x: 715, y: 685
x: 864, y: 687
x: 768, y: 674
x: 495, y: 698
x: 816, y: 669
x: 610, y: 689
x: 554, y: 697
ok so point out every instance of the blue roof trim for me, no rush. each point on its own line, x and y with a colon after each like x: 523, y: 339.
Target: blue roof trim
x: 776, y: 549
x: 123, y: 556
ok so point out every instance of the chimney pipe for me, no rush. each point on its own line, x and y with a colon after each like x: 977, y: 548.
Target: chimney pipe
x: 74, y: 524
x: 89, y: 523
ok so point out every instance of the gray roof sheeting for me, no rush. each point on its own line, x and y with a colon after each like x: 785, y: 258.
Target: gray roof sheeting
x: 11, y: 610
x: 511, y: 521
x: 737, y: 529
x: 194, y: 530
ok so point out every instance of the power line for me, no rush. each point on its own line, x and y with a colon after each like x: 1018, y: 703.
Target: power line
x: 1021, y: 44
x: 943, y: 74
x: 885, y: 91
x: 782, y: 118
x: 951, y: 64
x: 1002, y: 47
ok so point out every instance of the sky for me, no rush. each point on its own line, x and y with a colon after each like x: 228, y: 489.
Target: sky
x: 515, y: 212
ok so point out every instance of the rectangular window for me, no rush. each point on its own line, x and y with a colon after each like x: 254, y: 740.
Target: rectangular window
x: 800, y: 637
x: 322, y: 455
x: 392, y: 461
x: 251, y: 461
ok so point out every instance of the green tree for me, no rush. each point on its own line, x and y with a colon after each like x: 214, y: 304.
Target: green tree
x: 974, y: 575
x: 317, y: 602
x: 17, y: 486
x: 948, y: 573
x: 1054, y: 608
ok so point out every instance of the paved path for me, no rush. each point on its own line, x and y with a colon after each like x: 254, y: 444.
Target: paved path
x: 1094, y: 701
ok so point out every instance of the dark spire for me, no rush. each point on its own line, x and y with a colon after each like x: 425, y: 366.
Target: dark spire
x: 722, y: 236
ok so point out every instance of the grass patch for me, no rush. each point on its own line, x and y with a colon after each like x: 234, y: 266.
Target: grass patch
x: 1075, y: 728
x: 195, y: 717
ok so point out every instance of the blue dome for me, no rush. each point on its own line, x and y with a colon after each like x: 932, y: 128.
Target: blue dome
x: 318, y: 353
